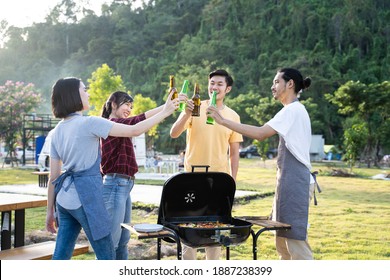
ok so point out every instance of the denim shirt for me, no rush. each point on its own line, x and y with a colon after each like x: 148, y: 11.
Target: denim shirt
x: 89, y: 186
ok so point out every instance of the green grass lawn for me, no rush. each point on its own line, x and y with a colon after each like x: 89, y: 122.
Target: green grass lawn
x: 350, y: 222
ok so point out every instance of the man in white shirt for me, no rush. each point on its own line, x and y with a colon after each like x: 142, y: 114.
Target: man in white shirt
x: 295, y: 184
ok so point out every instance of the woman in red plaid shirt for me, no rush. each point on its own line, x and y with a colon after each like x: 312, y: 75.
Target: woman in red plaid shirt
x: 119, y: 166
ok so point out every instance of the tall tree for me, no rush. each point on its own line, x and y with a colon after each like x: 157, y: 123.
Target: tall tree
x: 16, y: 99
x: 370, y: 103
x: 102, y: 83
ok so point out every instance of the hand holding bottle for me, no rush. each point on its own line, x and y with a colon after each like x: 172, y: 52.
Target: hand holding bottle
x: 184, y: 91
x: 171, y: 104
x: 189, y: 106
x: 213, y: 112
x: 172, y: 87
x: 213, y: 102
x: 183, y: 98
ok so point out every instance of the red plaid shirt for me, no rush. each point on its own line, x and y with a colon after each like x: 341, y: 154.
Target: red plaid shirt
x: 118, y: 154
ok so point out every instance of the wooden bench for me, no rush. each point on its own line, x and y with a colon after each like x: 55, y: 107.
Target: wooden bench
x: 38, y: 251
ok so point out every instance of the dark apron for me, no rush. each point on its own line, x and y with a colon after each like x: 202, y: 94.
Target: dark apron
x: 89, y: 186
x: 291, y: 203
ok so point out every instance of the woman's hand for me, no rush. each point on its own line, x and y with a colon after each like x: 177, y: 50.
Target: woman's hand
x: 51, y: 222
x: 171, y: 104
x: 183, y: 98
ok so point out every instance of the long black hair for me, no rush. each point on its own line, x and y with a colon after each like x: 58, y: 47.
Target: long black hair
x: 119, y: 98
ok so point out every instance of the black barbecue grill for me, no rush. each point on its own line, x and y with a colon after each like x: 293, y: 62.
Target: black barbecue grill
x: 202, y: 197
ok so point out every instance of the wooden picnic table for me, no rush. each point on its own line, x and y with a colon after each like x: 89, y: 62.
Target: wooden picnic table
x: 17, y: 203
x: 43, y: 178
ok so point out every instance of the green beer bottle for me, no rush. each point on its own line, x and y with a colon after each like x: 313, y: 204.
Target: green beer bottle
x: 184, y: 89
x: 210, y: 120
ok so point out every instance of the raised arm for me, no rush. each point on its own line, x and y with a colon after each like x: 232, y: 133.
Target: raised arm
x: 255, y: 132
x: 122, y: 130
x: 152, y: 112
x: 179, y: 126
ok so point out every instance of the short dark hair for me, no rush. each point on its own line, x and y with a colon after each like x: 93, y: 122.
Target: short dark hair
x: 224, y: 73
x: 119, y: 98
x: 65, y: 97
x: 293, y: 74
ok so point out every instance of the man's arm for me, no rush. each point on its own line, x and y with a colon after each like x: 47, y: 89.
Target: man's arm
x: 234, y: 155
x: 179, y: 126
x: 255, y: 132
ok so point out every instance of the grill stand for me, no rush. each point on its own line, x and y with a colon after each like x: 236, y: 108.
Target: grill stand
x: 262, y: 221
x: 164, y: 233
x: 267, y: 225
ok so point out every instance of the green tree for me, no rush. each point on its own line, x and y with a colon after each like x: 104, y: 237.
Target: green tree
x: 262, y: 148
x: 16, y: 99
x: 370, y: 104
x: 354, y: 142
x: 263, y: 112
x: 332, y: 41
x: 102, y: 83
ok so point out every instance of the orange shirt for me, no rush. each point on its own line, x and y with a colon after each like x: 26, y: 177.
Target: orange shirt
x: 209, y: 144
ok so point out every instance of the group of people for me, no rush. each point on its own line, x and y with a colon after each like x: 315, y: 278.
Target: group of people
x: 88, y: 147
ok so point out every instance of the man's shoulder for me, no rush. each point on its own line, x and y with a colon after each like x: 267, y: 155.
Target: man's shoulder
x: 231, y: 112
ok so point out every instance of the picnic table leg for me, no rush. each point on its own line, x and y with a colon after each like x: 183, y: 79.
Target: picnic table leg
x: 6, y: 230
x: 43, y: 180
x: 19, y: 228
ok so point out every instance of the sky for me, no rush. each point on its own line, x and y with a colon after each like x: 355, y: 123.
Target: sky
x: 23, y: 13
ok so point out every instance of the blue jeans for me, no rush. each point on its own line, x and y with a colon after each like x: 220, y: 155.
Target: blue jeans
x: 116, y: 195
x: 70, y: 224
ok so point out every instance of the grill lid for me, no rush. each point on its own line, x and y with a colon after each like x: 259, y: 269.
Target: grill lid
x: 197, y: 196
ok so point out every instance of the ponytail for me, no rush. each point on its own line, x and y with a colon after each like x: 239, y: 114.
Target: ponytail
x: 293, y: 74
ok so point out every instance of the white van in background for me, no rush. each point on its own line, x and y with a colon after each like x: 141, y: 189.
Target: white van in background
x: 5, y: 157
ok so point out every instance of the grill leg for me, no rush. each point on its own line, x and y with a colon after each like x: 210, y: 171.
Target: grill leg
x: 255, y: 237
x: 254, y: 245
x: 159, y: 248
x: 179, y: 256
